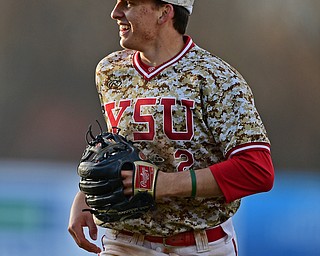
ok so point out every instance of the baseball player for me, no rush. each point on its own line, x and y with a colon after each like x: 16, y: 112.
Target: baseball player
x: 192, y: 113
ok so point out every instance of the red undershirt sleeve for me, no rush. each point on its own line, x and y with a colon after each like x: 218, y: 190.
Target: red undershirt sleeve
x: 244, y: 174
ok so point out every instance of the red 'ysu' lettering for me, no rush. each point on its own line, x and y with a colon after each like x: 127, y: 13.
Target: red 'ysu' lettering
x: 148, y: 119
x: 114, y: 121
x: 168, y: 119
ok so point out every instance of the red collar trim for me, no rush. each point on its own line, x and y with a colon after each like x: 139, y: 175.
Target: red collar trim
x: 149, y: 72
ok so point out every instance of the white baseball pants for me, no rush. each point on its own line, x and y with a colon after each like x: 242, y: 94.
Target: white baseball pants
x: 115, y: 244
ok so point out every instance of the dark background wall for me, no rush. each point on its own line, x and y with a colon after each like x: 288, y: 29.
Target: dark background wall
x: 49, y: 50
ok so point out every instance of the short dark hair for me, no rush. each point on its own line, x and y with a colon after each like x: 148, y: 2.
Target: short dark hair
x: 181, y: 17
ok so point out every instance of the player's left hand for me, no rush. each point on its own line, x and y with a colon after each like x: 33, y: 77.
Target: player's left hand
x: 117, y: 179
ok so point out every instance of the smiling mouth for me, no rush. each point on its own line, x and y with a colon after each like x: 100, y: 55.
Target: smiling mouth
x: 124, y: 29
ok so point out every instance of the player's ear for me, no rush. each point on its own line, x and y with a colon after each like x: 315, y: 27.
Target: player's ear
x: 166, y: 12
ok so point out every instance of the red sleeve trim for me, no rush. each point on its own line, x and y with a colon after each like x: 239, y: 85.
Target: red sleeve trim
x: 246, y: 173
x: 248, y: 146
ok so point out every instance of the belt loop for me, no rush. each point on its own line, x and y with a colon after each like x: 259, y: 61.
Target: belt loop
x: 137, y: 239
x: 201, y: 239
x: 114, y: 233
x: 228, y: 228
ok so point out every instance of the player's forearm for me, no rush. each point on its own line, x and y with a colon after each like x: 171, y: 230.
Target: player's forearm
x: 79, y: 202
x: 180, y: 184
x: 243, y: 175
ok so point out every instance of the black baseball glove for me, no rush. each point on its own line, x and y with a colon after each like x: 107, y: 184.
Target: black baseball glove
x: 100, y: 171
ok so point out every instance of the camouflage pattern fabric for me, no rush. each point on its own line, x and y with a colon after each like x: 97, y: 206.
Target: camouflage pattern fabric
x: 187, y: 113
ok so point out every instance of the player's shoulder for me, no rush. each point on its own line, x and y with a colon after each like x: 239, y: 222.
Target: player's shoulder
x: 216, y: 73
x: 117, y: 58
x: 213, y: 63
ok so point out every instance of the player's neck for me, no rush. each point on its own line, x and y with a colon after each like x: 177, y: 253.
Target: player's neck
x: 162, y: 51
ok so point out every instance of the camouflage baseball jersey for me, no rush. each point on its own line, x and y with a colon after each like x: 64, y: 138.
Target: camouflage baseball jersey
x: 187, y: 113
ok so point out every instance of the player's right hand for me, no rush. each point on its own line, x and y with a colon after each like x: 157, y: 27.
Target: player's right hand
x: 78, y: 220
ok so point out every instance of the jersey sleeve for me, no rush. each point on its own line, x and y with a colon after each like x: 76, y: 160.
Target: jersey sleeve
x: 101, y: 78
x: 108, y: 78
x: 229, y: 111
x: 237, y: 128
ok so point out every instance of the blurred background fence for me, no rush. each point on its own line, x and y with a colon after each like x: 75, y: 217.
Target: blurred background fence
x: 48, y: 53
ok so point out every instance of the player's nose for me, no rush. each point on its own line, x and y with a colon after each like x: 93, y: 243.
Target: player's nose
x: 117, y: 11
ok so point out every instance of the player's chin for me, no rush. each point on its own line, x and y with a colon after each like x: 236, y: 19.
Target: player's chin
x: 123, y: 41
x: 125, y: 46
x: 127, y: 43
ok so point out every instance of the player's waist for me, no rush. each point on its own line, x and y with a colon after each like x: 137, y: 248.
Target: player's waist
x: 183, y: 239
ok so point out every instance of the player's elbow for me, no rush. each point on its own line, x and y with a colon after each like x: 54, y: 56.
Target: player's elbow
x: 264, y: 177
x: 267, y: 180
x: 260, y: 176
x: 267, y: 175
